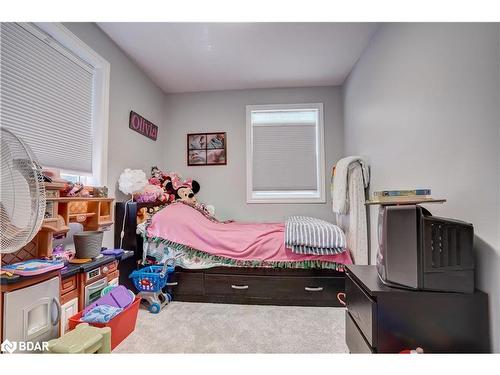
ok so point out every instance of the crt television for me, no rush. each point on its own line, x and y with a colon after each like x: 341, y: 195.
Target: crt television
x: 419, y: 251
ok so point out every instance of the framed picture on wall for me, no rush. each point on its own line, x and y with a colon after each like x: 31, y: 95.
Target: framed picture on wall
x: 207, y: 149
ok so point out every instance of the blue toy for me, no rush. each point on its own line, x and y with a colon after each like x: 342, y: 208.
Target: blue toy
x: 150, y: 281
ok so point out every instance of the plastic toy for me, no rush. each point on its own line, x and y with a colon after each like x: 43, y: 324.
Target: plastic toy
x: 59, y: 253
x: 75, y: 190
x: 150, y: 281
x: 117, y: 297
x: 112, y: 252
x: 121, y: 325
x: 412, y: 351
x: 33, y: 267
x: 109, y: 288
x: 83, y: 339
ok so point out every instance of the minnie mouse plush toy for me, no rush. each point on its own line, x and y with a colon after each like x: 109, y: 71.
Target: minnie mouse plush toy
x: 183, y: 191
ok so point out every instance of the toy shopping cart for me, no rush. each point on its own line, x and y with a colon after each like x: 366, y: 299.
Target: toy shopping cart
x: 150, y: 281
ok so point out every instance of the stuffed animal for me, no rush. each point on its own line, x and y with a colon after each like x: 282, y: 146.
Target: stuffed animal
x: 142, y: 215
x: 183, y: 191
x: 151, y: 193
x: 160, y: 180
x: 158, y: 177
x: 166, y: 188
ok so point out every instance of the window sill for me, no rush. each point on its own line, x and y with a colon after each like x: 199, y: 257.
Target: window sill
x: 267, y: 197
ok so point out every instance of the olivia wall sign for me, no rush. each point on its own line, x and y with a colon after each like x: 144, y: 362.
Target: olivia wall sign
x: 142, y: 126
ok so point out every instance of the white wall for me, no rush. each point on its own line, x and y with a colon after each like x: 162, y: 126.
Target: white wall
x: 225, y: 186
x: 130, y: 89
x: 422, y: 104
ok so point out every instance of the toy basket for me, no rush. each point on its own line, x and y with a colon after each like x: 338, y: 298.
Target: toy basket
x: 121, y: 325
x: 151, y: 278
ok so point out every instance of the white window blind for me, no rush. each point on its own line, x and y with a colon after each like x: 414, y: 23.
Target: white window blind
x: 46, y: 97
x: 285, y: 152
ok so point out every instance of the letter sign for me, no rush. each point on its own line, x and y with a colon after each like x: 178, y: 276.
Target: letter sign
x: 142, y: 126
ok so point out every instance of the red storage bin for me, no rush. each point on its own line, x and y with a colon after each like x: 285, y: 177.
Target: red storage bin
x: 121, y: 325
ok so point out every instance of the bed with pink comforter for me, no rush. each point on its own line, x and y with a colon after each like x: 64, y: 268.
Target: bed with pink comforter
x: 182, y: 227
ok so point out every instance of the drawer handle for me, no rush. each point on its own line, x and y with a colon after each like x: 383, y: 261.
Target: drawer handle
x: 341, y: 298
x: 175, y: 283
x: 239, y: 287
x: 314, y: 289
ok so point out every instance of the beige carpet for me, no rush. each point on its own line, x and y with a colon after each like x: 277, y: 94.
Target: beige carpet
x: 183, y: 327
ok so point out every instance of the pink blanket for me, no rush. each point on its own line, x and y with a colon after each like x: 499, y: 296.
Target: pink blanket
x: 263, y: 242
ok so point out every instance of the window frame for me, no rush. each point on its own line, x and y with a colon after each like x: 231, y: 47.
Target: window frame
x: 100, y: 114
x: 300, y: 196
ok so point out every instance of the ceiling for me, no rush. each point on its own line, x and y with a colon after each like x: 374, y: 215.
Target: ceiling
x: 188, y: 57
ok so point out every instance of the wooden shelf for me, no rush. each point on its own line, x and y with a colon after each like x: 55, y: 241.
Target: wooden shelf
x: 78, y: 199
x: 105, y: 223
x: 86, y: 214
x: 55, y: 225
x: 54, y: 185
x: 92, y: 213
x: 404, y: 201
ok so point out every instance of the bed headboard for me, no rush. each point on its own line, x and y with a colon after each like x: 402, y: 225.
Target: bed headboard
x: 131, y: 240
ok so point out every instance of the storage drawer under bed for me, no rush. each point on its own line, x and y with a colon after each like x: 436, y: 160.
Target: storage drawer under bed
x: 277, y: 287
x: 186, y: 283
x: 258, y: 286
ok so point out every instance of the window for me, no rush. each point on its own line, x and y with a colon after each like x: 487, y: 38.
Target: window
x: 54, y: 93
x: 285, y: 154
x: 75, y: 178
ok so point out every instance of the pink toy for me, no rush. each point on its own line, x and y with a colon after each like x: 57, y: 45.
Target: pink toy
x: 151, y: 193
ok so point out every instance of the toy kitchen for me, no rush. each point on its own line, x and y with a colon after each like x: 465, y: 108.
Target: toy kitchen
x: 60, y: 271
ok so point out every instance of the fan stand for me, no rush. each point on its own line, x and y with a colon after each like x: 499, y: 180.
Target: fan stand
x: 122, y: 233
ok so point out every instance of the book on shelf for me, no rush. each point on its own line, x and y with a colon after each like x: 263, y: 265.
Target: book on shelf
x: 402, y: 193
x: 409, y: 198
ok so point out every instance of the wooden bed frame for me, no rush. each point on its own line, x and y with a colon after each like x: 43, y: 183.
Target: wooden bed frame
x: 263, y: 286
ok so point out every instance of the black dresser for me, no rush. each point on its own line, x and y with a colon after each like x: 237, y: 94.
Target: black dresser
x: 380, y: 319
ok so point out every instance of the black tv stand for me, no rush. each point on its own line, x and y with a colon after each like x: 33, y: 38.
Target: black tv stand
x: 381, y: 319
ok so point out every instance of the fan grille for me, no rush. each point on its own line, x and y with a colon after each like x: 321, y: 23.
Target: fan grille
x: 22, y: 206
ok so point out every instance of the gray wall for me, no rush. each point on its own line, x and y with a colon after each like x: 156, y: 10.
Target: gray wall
x: 130, y: 89
x: 225, y: 186
x: 422, y: 104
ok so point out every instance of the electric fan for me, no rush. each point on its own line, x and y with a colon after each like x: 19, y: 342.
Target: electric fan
x: 22, y: 191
